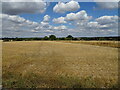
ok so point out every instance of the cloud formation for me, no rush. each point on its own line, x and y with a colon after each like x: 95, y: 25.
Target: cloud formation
x: 75, y: 23
x: 59, y: 20
x: 45, y: 22
x: 65, y: 7
x: 46, y: 18
x: 107, y: 5
x: 62, y: 27
x: 81, y: 15
x: 15, y: 8
x: 107, y: 19
x: 16, y: 26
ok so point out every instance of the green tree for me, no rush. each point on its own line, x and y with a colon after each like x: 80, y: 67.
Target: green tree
x: 46, y: 38
x: 52, y: 37
x: 69, y: 37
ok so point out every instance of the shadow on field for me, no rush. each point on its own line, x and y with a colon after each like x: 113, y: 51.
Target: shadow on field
x: 32, y: 80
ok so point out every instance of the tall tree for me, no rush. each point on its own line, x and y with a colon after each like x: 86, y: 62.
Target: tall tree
x: 52, y: 37
x: 46, y: 38
x: 69, y: 37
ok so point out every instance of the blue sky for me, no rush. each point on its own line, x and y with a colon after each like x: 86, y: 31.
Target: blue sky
x: 78, y: 19
x: 87, y: 6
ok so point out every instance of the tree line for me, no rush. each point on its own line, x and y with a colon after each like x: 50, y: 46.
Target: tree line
x: 53, y: 37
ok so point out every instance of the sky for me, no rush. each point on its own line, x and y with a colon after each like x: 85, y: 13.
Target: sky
x: 79, y: 19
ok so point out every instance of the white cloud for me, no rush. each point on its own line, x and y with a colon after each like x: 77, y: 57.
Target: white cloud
x: 34, y: 31
x: 24, y: 28
x: 16, y: 26
x: 107, y: 19
x: 102, y: 26
x: 107, y: 5
x: 64, y: 7
x: 104, y: 22
x: 62, y: 27
x: 81, y: 15
x: 45, y: 22
x: 106, y: 1
x: 59, y: 20
x: 46, y: 18
x: 48, y: 31
x: 93, y: 25
x: 14, y: 8
x: 96, y: 25
x: 13, y: 18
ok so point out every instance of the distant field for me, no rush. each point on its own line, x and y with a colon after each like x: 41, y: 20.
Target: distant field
x: 53, y: 64
x: 115, y: 44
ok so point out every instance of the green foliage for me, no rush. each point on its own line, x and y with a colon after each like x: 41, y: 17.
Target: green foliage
x: 63, y: 38
x: 52, y: 37
x: 69, y: 37
x: 46, y: 38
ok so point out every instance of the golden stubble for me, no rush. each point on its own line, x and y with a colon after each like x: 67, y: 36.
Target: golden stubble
x: 51, y: 60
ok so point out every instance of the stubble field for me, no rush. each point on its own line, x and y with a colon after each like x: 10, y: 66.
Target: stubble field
x: 51, y: 64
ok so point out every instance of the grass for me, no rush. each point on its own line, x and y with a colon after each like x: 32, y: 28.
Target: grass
x: 50, y: 64
x: 115, y: 44
x: 36, y: 81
